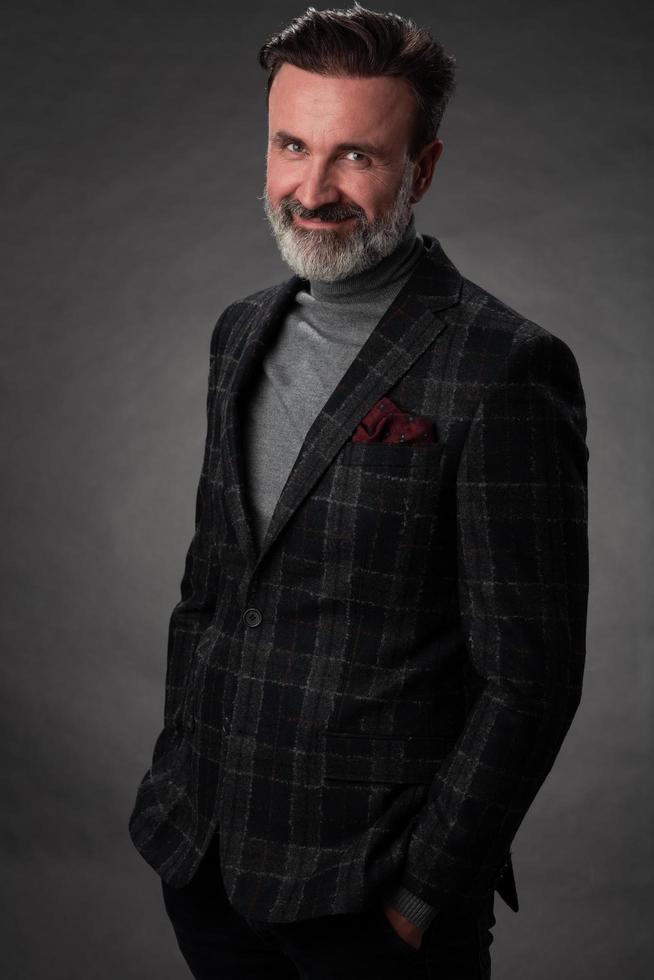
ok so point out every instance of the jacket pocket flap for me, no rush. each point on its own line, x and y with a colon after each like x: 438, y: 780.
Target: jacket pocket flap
x: 358, y: 757
x: 389, y: 454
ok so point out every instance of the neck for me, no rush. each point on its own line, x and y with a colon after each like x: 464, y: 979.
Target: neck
x: 380, y: 276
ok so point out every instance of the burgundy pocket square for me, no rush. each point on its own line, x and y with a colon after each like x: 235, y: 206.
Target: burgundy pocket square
x: 386, y: 422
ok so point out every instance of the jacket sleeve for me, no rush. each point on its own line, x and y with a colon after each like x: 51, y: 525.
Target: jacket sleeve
x: 522, y: 554
x: 195, y: 610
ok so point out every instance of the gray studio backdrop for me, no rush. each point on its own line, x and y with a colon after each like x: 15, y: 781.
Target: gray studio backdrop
x: 132, y: 159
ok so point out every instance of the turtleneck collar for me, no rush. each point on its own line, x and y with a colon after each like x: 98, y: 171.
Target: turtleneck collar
x: 394, y: 267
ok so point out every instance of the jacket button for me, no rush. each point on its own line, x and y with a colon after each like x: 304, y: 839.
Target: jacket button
x: 252, y: 617
x: 189, y: 725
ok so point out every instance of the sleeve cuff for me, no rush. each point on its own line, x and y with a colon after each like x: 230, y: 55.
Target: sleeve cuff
x: 414, y: 908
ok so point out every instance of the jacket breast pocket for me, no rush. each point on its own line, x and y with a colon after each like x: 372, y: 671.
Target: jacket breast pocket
x: 380, y: 758
x: 388, y: 502
x: 404, y: 455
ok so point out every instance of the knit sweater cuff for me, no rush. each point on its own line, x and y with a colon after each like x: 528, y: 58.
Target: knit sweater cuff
x: 413, y: 907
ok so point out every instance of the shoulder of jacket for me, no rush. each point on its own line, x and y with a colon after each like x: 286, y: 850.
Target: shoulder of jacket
x: 495, y: 317
x: 262, y: 297
x: 240, y: 308
x: 520, y: 350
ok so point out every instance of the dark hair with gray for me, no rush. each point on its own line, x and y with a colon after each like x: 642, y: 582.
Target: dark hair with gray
x: 357, y: 42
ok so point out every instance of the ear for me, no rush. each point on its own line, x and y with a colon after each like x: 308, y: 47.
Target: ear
x: 424, y: 165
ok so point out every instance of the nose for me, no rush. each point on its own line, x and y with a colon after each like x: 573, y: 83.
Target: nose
x: 317, y: 186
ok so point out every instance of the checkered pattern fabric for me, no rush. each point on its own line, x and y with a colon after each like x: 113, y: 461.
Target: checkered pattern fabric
x: 371, y: 700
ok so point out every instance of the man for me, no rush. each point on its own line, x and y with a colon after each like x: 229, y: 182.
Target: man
x: 380, y: 642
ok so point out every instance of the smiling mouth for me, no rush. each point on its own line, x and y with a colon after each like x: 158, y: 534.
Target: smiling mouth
x: 318, y: 222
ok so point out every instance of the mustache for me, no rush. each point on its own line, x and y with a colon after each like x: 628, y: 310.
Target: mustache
x: 328, y: 212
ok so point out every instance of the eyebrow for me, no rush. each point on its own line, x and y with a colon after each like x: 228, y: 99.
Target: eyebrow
x: 281, y: 137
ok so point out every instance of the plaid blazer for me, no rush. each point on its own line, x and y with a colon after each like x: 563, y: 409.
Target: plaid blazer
x: 372, y: 699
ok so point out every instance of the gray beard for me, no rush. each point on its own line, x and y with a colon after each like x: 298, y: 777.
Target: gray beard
x: 328, y: 256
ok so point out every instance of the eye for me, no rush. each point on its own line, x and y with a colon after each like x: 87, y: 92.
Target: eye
x: 291, y: 143
x: 356, y: 153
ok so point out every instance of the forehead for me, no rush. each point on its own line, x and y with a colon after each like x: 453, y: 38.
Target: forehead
x: 327, y: 107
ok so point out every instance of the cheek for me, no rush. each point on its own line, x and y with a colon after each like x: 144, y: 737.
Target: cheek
x: 277, y: 183
x: 282, y: 180
x: 372, y: 194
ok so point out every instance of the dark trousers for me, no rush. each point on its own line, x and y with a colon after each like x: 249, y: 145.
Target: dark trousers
x: 220, y: 944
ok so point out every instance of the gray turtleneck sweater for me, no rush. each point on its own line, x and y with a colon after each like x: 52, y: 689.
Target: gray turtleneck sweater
x: 324, y: 329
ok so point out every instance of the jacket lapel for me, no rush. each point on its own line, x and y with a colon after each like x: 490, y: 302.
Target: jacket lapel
x: 410, y: 324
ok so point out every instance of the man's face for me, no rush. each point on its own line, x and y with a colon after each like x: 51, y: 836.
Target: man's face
x: 339, y: 181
